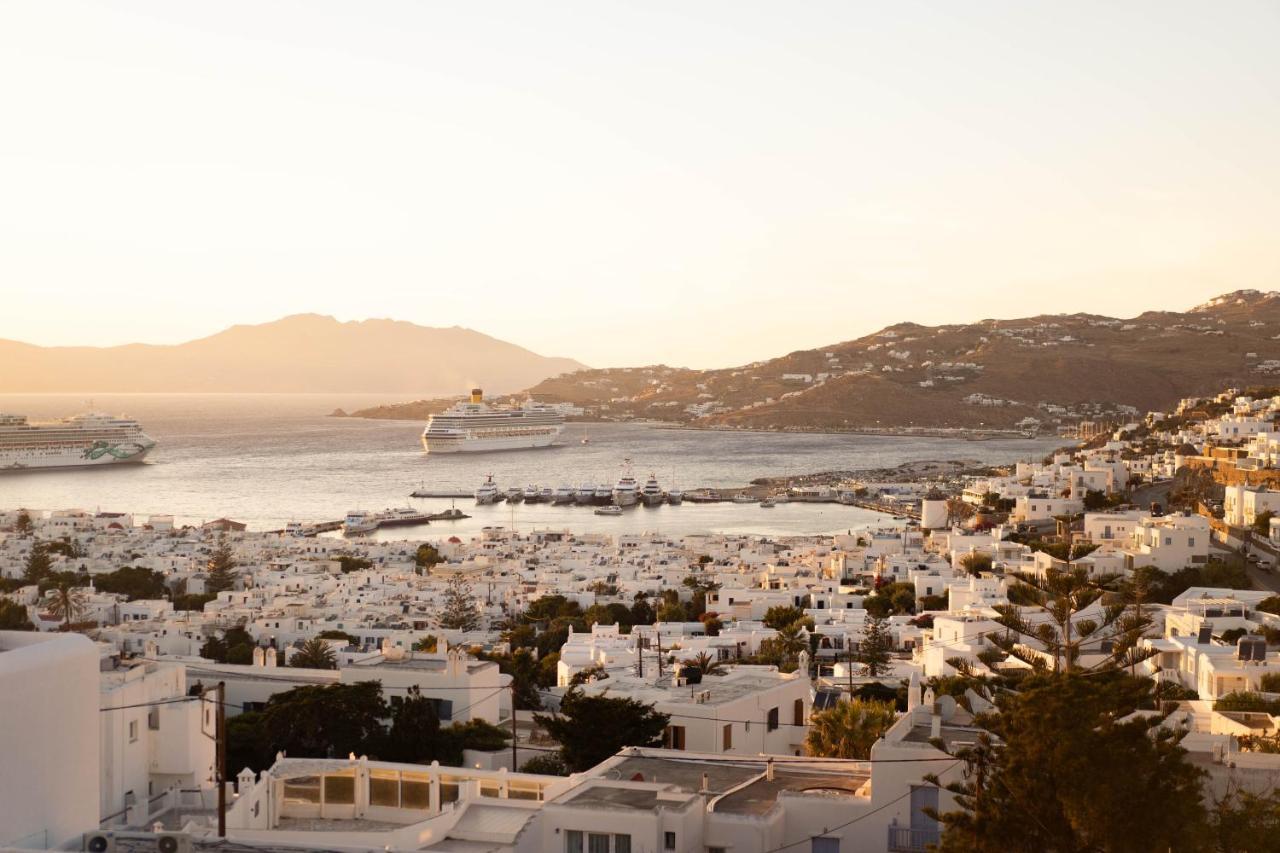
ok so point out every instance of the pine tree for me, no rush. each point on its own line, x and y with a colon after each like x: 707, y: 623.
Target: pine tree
x: 23, y: 526
x: 459, y: 613
x: 39, y: 566
x: 873, y: 651
x: 221, y: 568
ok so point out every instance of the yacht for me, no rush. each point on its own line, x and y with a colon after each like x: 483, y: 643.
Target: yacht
x: 358, y: 521
x: 81, y: 441
x: 611, y: 509
x: 531, y: 494
x: 488, y: 492
x: 474, y: 425
x: 743, y: 499
x: 547, y: 495
x: 627, y: 491
x: 604, y: 494
x: 651, y: 494
x: 675, y: 497
x: 586, y: 493
x: 515, y: 495
x: 564, y: 495
x: 767, y: 503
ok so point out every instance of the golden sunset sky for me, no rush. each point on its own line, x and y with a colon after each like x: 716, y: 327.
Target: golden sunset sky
x: 697, y: 183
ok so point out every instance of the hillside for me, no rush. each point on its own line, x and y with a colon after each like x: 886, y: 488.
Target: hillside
x: 302, y: 353
x: 992, y: 373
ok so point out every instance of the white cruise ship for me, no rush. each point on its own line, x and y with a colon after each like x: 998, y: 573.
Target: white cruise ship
x: 475, y: 426
x: 76, y: 442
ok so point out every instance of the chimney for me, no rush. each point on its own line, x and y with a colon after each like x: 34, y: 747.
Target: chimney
x: 768, y: 770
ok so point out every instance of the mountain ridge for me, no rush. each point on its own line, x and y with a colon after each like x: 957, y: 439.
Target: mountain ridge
x: 297, y: 353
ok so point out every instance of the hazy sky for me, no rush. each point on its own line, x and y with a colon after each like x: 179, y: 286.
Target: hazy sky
x: 698, y: 183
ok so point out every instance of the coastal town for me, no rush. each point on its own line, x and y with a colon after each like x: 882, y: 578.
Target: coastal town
x: 546, y: 689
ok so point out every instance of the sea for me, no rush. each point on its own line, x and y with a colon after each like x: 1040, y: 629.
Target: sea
x: 267, y: 459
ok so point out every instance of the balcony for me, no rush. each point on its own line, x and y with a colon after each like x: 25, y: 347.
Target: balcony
x: 904, y: 839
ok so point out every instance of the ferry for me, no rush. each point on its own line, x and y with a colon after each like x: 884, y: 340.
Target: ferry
x: 82, y: 441
x: 475, y: 426
x: 359, y: 522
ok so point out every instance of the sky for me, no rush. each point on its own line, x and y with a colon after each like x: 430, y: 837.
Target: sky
x: 694, y: 183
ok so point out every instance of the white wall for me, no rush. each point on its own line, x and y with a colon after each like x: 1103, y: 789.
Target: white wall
x: 48, y: 738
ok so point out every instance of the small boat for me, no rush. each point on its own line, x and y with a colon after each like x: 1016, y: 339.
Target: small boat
x: 612, y: 509
x: 586, y: 441
x: 675, y: 497
x: 564, y: 495
x: 586, y: 494
x: 547, y: 495
x: 531, y: 493
x: 767, y: 503
x: 743, y: 499
x: 604, y: 494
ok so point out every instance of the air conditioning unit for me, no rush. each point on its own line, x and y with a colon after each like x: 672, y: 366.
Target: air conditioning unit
x: 159, y: 842
x: 99, y: 842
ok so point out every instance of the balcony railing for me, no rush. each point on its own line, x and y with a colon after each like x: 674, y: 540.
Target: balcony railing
x: 904, y: 839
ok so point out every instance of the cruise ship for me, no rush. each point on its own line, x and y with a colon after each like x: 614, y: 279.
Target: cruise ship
x: 475, y: 426
x: 76, y: 442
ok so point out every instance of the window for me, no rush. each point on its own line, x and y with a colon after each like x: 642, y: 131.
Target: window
x: 302, y: 789
x: 825, y: 845
x: 340, y: 789
x: 726, y: 738
x: 798, y: 712
x: 675, y: 737
x: 573, y: 841
x: 772, y: 722
x: 415, y: 791
x: 715, y: 850
x: 597, y: 843
x: 133, y: 731
x: 449, y: 786
x: 384, y: 788
x: 622, y: 844
x: 668, y: 841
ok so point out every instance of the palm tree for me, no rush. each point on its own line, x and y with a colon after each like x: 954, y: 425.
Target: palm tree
x: 791, y: 640
x: 66, y: 600
x: 849, y: 729
x: 315, y: 654
x: 708, y: 664
x: 976, y: 562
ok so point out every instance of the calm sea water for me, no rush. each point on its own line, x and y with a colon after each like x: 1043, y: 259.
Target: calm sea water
x: 268, y: 459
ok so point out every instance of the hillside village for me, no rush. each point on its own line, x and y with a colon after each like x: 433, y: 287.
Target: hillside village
x: 1043, y: 374
x: 734, y: 650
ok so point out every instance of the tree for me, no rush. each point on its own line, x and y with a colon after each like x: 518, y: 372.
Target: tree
x: 426, y: 557
x: 324, y: 721
x: 459, y: 611
x: 414, y: 735
x: 221, y: 568
x: 1270, y: 604
x: 782, y: 615
x: 1094, y: 500
x: 13, y: 617
x: 333, y: 634
x: 348, y: 564
x: 976, y: 562
x: 38, y: 566
x: 550, y: 764
x: 959, y: 511
x: 1058, y: 771
x: 66, y: 598
x: 247, y: 744
x: 672, y: 611
x: 1244, y: 822
x: 873, y: 650
x: 593, y: 728
x: 707, y: 664
x: 1059, y: 596
x: 22, y: 524
x: 849, y: 729
x: 1262, y: 523
x: 234, y: 646
x: 133, y: 583
x: 315, y: 654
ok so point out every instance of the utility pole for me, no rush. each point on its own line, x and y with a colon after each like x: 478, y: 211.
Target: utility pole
x: 515, y: 757
x: 220, y: 735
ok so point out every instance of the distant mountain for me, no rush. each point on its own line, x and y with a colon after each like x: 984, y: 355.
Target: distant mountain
x: 993, y: 373
x: 302, y: 353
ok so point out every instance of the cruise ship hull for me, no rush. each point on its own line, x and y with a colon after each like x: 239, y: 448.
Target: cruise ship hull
x: 478, y: 445
x: 127, y: 453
